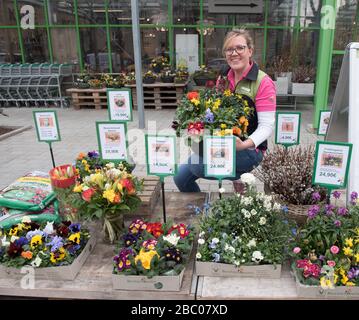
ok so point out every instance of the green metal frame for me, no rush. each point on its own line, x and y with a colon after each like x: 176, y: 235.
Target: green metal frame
x: 325, y: 47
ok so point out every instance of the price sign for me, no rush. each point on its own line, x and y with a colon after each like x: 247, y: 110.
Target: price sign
x: 324, y: 119
x: 332, y: 160
x: 47, y: 127
x: 219, y: 156
x: 161, y: 155
x: 119, y: 103
x: 287, y: 128
x: 111, y: 137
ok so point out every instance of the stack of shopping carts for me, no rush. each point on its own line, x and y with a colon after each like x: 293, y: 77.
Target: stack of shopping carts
x: 36, y: 84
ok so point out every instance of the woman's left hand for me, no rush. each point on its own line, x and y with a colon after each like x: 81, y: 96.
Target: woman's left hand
x: 242, y: 145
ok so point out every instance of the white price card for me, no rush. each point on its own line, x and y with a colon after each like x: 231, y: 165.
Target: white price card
x: 111, y: 137
x: 219, y: 156
x: 324, y: 119
x: 119, y: 102
x: 331, y: 166
x: 161, y: 155
x: 47, y: 127
x: 287, y: 128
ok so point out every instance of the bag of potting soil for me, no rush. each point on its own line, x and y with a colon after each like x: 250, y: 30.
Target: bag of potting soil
x: 30, y: 195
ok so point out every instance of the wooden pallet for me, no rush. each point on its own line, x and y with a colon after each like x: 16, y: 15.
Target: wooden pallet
x: 82, y: 98
x: 159, y: 95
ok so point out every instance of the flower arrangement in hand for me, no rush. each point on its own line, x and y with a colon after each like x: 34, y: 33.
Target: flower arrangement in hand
x: 107, y: 194
x: 153, y: 249
x: 248, y: 229
x: 326, y: 251
x: 45, y: 245
x: 222, y: 113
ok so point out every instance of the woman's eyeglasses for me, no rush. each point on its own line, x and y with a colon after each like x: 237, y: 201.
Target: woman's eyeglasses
x: 238, y: 49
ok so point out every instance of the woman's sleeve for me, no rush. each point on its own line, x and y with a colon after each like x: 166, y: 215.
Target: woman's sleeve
x: 265, y: 106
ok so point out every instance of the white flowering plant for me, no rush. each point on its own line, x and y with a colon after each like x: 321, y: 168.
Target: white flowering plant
x: 248, y: 229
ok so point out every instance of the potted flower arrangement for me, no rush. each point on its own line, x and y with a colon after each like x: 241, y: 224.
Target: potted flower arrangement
x: 96, y: 83
x: 303, y: 80
x: 130, y: 78
x: 218, y: 112
x: 111, y: 81
x: 181, y: 74
x: 288, y: 172
x: 56, y: 250
x: 326, y: 251
x: 159, y: 63
x: 204, y: 74
x: 107, y: 194
x: 243, y: 235
x: 149, y: 77
x: 81, y: 81
x: 152, y: 256
x: 167, y: 76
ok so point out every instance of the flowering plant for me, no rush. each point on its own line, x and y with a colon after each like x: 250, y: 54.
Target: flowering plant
x: 153, y: 249
x: 107, y: 194
x: 45, y: 245
x: 158, y: 63
x: 248, y: 229
x: 113, y: 81
x: 214, y: 110
x: 326, y: 251
x: 87, y: 163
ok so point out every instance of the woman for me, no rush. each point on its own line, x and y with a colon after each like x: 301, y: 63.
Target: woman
x: 245, y: 78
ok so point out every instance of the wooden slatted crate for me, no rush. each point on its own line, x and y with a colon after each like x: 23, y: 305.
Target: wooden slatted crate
x: 93, y: 98
x: 159, y: 95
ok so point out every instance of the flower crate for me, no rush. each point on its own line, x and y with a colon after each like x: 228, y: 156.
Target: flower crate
x: 213, y: 269
x: 342, y: 292
x: 156, y: 283
x: 68, y: 272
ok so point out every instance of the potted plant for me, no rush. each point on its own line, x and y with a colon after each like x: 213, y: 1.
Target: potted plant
x: 326, y: 251
x: 243, y: 235
x: 167, y: 76
x: 149, y: 77
x: 303, y: 80
x: 201, y: 76
x: 159, y: 63
x: 111, y: 81
x: 152, y: 256
x: 130, y: 78
x: 181, y: 74
x: 81, y: 82
x: 287, y: 172
x: 56, y: 250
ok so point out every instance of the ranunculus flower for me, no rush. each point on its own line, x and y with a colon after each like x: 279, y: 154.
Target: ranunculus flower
x: 192, y: 95
x: 296, y: 250
x: 331, y: 263
x: 87, y: 194
x: 334, y: 249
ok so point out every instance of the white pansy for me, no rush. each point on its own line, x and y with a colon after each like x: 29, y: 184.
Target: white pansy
x: 252, y: 243
x: 172, y: 239
x: 201, y: 234
x: 262, y: 221
x: 257, y: 256
x: 253, y: 212
x: 37, y: 262
x: 13, y: 238
x: 247, y: 215
x: 276, y: 206
x: 198, y: 255
x: 26, y: 219
x: 215, y: 240
x: 49, y: 229
x: 201, y: 241
x: 221, y: 190
x: 247, y: 201
x: 229, y: 248
x: 248, y: 178
x: 4, y: 242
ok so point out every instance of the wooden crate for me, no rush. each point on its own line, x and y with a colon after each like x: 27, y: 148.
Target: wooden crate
x: 84, y: 98
x: 159, y: 95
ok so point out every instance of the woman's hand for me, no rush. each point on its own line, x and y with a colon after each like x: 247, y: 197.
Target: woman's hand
x: 242, y: 145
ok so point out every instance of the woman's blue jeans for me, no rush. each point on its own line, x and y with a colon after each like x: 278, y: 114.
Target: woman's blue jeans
x: 246, y: 161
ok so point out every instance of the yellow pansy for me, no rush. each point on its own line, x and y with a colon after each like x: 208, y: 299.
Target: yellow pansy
x: 350, y: 284
x: 146, y: 258
x: 13, y: 231
x: 87, y: 168
x: 356, y: 257
x: 227, y: 93
x: 109, y: 195
x: 335, y: 278
x: 57, y: 256
x: 223, y: 126
x: 216, y: 104
x: 344, y: 279
x: 349, y: 242
x: 326, y: 283
x: 75, y: 237
x: 208, y: 103
x: 348, y: 251
x: 78, y: 188
x: 196, y: 102
x: 84, y: 161
x: 35, y: 241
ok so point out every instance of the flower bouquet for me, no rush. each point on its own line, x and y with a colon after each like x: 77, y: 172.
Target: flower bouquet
x: 218, y: 112
x: 243, y: 235
x: 326, y: 251
x: 56, y: 250
x: 152, y: 256
x: 108, y: 194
